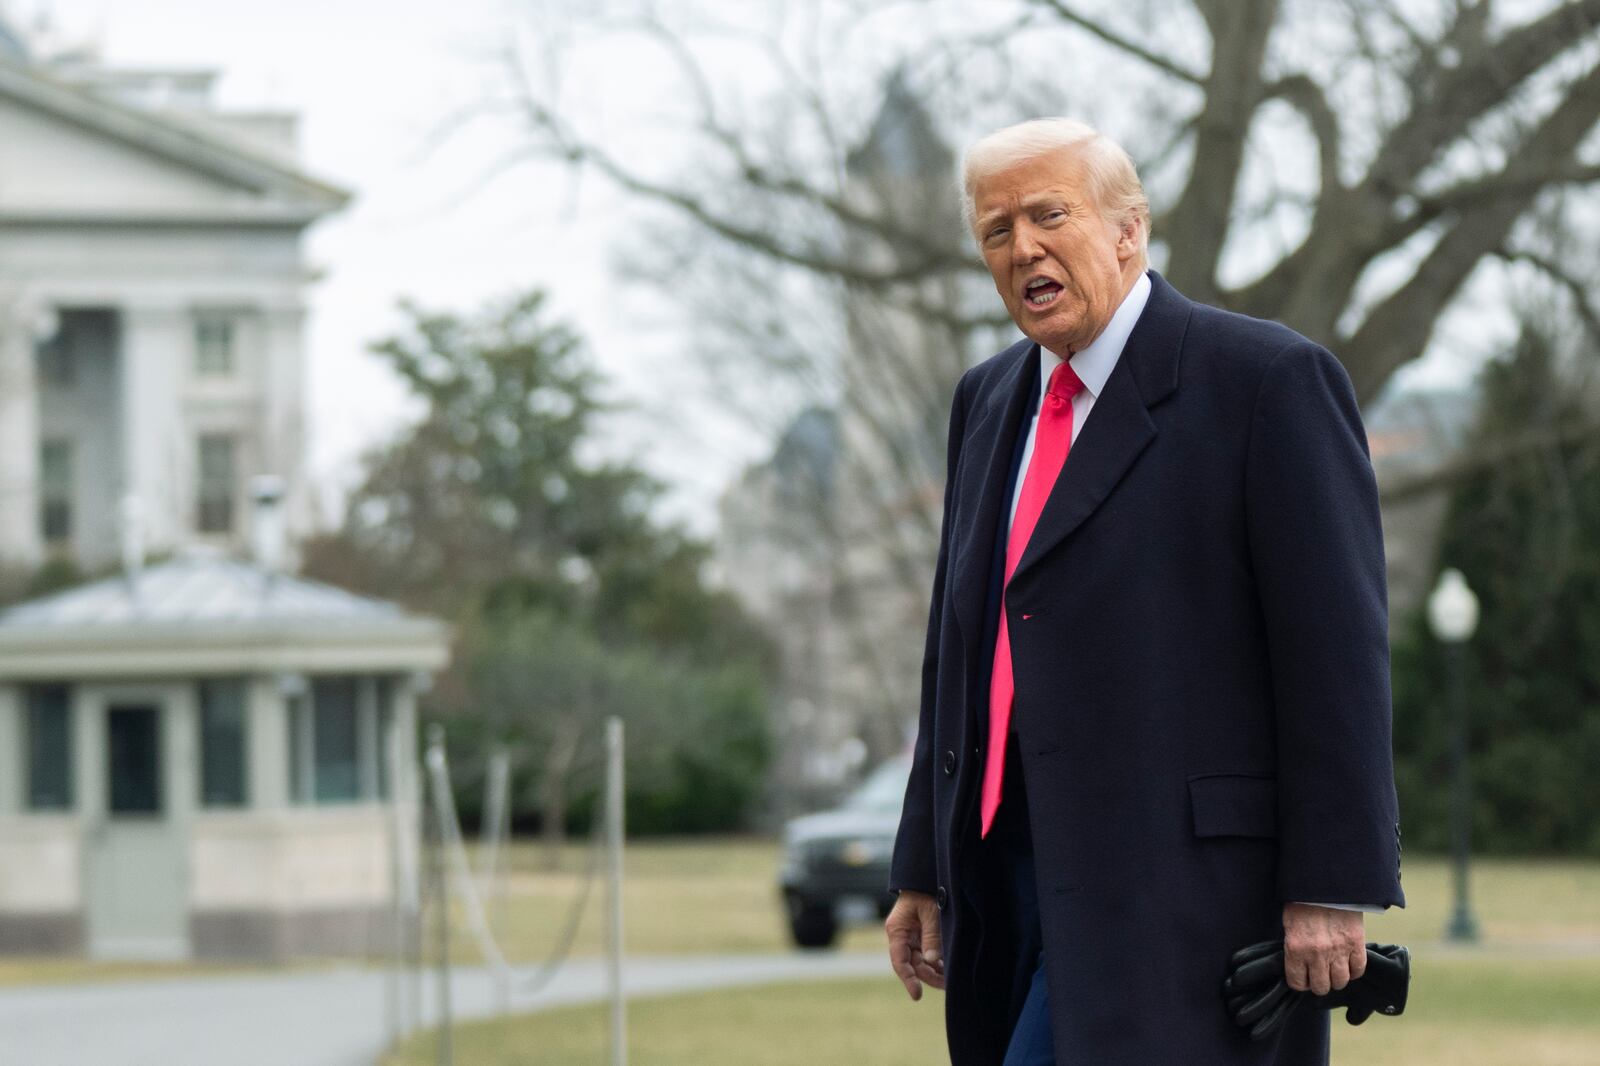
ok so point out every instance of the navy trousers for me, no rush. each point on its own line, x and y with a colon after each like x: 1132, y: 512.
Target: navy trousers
x: 1009, y: 894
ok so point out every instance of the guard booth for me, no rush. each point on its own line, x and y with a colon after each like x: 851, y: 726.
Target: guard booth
x: 208, y: 758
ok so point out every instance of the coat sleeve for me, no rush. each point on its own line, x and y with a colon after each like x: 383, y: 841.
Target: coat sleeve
x: 913, y: 866
x: 1316, y: 549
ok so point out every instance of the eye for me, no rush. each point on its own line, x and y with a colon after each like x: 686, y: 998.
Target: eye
x: 1052, y: 214
x: 998, y: 231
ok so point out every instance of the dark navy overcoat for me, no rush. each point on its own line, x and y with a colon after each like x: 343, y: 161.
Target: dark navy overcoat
x: 1198, y: 630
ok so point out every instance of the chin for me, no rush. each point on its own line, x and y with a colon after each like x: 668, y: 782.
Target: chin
x: 1057, y: 340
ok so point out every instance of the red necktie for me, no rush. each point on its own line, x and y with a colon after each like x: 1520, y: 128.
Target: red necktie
x: 1052, y: 439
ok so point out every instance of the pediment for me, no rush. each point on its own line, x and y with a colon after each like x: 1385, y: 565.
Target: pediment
x: 66, y: 154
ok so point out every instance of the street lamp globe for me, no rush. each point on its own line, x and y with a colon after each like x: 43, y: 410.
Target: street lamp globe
x: 1452, y: 608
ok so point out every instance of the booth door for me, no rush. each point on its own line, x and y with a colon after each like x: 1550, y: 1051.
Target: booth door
x: 136, y: 885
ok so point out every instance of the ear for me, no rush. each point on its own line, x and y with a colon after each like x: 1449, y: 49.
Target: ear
x: 1128, y: 238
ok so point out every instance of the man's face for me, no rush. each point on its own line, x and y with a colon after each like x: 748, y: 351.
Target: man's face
x: 1060, y: 267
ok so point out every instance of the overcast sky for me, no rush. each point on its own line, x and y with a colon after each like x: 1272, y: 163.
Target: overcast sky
x: 372, y: 80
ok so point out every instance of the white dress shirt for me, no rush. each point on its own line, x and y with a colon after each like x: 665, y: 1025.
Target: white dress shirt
x: 1093, y: 365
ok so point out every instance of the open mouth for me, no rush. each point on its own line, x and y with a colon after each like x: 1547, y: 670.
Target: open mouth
x: 1041, y: 292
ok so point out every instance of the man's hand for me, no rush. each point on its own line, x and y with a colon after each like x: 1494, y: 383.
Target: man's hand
x: 914, y: 947
x: 1324, y: 948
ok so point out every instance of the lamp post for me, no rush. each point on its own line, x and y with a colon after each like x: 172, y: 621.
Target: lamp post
x: 1453, y: 616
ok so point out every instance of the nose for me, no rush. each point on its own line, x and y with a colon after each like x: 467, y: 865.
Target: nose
x: 1025, y: 247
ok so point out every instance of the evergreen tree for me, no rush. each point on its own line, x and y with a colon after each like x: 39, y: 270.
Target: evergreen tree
x: 572, y: 603
x: 1526, y: 532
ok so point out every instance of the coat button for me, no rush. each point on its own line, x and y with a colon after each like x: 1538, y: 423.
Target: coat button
x: 949, y: 763
x: 940, y: 896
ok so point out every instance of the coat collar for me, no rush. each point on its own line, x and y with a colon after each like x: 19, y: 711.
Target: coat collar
x: 985, y: 461
x: 1118, y: 429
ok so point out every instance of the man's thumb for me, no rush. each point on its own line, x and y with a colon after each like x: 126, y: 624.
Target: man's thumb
x: 931, y: 942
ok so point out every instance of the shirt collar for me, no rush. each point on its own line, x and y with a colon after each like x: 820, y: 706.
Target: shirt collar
x: 1094, y: 364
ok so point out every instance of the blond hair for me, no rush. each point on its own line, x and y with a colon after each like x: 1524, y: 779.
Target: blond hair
x: 1112, y: 178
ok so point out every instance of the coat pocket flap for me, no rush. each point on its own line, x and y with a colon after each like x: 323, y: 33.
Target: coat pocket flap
x: 1234, y: 805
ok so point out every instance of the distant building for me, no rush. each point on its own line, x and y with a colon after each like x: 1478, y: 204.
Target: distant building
x: 900, y: 368
x: 152, y: 305
x: 776, y: 549
x: 832, y: 541
x: 205, y: 758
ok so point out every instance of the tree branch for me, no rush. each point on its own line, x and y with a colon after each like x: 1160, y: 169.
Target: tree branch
x: 1094, y: 27
x: 562, y: 143
x: 1200, y: 220
x: 1488, y: 457
x: 1307, y: 97
x: 1398, y: 328
x: 1480, y: 79
x: 1578, y: 289
x: 1472, y: 194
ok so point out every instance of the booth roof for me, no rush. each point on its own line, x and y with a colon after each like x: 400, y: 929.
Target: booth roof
x: 204, y: 589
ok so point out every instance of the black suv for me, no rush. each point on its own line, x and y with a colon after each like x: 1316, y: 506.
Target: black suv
x: 836, y: 863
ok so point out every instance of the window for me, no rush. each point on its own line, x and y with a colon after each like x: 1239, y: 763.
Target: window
x: 337, y: 775
x: 300, y: 748
x: 55, y: 489
x: 49, y: 726
x: 223, y: 764
x: 213, y: 346
x: 216, y: 493
x: 336, y: 732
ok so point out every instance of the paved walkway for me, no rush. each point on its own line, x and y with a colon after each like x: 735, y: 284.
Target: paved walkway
x: 326, y: 1018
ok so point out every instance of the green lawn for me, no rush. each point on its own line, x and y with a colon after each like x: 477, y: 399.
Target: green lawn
x: 1463, y: 1012
x: 720, y: 895
x: 1529, y: 995
x: 689, y: 896
x: 681, y: 896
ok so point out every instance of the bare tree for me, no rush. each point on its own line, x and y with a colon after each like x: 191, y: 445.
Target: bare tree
x: 1474, y: 119
x: 1344, y: 166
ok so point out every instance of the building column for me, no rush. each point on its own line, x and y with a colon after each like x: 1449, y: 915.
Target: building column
x: 12, y: 752
x: 157, y: 456
x: 283, y: 429
x: 21, y: 542
x: 267, y: 745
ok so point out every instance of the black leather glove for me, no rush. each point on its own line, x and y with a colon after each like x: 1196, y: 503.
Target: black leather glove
x: 1259, y: 999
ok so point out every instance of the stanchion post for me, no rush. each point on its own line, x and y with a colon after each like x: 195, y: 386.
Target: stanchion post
x: 441, y: 897
x: 496, y: 823
x: 614, y: 835
x: 394, y: 976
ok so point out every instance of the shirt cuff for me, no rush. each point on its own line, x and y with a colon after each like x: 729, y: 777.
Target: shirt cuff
x: 1368, y: 908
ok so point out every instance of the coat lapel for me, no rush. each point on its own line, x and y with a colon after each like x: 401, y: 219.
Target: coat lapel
x: 1119, y: 426
x: 985, y: 461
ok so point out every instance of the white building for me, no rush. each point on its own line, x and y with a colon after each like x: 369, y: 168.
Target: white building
x: 208, y: 758
x: 205, y: 756
x: 152, y: 303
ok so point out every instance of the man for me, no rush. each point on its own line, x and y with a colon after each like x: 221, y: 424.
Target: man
x: 1155, y: 708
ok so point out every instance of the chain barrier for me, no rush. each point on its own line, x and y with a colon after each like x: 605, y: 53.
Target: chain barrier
x: 473, y: 888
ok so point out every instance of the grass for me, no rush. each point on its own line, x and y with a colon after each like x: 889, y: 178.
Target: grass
x: 720, y: 895
x: 1526, y: 995
x: 680, y: 896
x: 1463, y: 1012
x: 800, y: 1023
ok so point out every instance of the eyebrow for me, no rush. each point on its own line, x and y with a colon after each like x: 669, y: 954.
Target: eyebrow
x: 1028, y: 202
